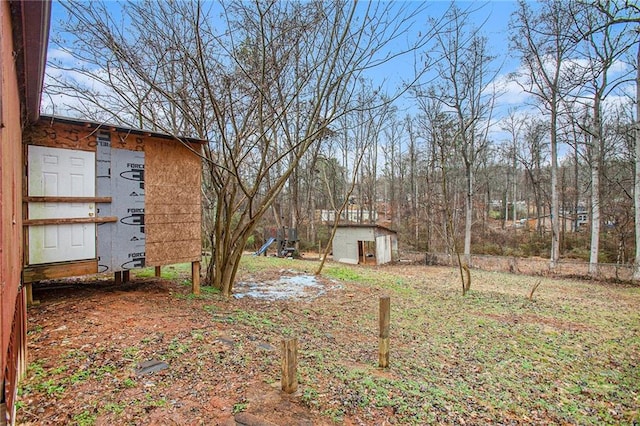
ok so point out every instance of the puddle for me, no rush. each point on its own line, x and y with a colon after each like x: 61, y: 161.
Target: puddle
x: 301, y: 287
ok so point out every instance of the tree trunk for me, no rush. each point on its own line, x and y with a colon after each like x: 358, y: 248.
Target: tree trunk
x: 596, y: 161
x: 555, y: 205
x: 636, y: 193
x: 468, y: 204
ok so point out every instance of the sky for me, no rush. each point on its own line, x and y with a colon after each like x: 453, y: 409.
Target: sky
x: 493, y: 18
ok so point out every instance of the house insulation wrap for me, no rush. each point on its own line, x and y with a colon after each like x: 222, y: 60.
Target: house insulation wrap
x: 109, y: 199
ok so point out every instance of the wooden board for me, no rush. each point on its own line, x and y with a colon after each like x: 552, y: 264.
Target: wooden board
x: 169, y: 255
x: 59, y: 270
x: 67, y: 199
x: 172, y: 203
x: 172, y: 218
x: 69, y: 220
x: 173, y: 209
x: 172, y: 182
x: 173, y: 232
x: 171, y: 194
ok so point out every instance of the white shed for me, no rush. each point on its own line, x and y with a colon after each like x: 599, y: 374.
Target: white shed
x: 365, y: 244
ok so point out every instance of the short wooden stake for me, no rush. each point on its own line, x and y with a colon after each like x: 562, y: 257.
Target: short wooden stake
x: 158, y: 271
x: 126, y: 276
x: 385, y: 320
x: 195, y: 278
x: 289, y: 380
x: 118, y: 277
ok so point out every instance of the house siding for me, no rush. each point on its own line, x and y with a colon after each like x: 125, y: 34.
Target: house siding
x: 345, y: 243
x: 10, y: 201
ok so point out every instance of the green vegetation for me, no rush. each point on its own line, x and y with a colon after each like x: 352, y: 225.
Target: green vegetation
x: 239, y: 407
x: 85, y: 418
x: 569, y: 356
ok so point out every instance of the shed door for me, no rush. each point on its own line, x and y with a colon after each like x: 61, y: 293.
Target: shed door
x: 383, y: 249
x: 63, y: 173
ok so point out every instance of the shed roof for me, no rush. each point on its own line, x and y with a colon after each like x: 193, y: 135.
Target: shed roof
x: 114, y: 128
x: 366, y: 225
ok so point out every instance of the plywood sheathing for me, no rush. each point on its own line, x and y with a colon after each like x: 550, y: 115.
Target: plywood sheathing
x: 75, y: 136
x: 172, y: 203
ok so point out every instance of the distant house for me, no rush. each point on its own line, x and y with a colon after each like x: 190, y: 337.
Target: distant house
x: 365, y: 244
x: 350, y: 214
x: 566, y: 223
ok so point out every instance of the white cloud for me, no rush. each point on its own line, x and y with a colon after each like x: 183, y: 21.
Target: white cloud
x: 60, y: 55
x: 510, y: 90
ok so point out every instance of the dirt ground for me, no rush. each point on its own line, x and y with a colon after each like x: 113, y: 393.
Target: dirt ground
x: 147, y: 352
x: 92, y: 340
x: 109, y: 331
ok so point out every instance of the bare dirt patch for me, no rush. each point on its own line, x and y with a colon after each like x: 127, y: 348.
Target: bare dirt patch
x: 92, y: 337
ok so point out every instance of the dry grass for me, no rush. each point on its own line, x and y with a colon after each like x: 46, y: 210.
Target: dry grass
x: 568, y: 356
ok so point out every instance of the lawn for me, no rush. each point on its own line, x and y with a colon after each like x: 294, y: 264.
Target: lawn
x: 568, y: 356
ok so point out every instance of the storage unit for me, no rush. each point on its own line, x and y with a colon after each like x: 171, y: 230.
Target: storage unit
x: 103, y: 198
x: 365, y: 244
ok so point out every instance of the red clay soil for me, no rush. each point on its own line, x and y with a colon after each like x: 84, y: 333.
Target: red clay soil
x: 90, y: 339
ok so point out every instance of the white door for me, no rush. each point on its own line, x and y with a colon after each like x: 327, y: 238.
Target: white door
x: 62, y: 173
x: 383, y: 249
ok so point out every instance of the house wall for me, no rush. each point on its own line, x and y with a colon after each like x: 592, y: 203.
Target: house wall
x: 383, y: 249
x: 345, y: 243
x: 170, y: 188
x: 10, y: 202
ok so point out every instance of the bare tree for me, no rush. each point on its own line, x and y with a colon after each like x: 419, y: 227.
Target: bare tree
x: 264, y: 85
x: 513, y: 125
x: 602, y: 48
x: 546, y: 42
x: 606, y: 21
x: 435, y: 128
x: 464, y: 89
x: 361, y: 130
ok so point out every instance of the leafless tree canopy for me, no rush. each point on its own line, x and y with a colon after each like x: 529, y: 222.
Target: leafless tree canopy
x: 264, y: 82
x: 302, y: 133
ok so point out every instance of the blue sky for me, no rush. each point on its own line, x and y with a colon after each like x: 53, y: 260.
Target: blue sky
x: 493, y: 16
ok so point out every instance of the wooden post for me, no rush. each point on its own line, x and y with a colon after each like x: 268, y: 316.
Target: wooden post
x: 289, y: 379
x: 126, y: 276
x: 22, y: 351
x: 29, y: 291
x: 195, y: 278
x: 118, y: 277
x: 158, y: 271
x: 385, y: 320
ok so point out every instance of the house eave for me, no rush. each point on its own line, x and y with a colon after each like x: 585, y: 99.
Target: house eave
x: 30, y: 36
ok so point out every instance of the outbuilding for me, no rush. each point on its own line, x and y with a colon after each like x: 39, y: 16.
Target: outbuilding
x: 365, y: 244
x: 102, y: 198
